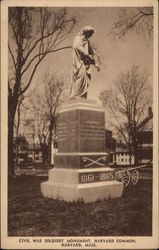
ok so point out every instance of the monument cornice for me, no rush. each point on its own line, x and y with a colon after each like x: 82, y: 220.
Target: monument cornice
x: 81, y: 153
x: 80, y: 104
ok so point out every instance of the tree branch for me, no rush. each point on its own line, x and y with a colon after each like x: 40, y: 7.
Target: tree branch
x: 44, y: 53
x: 12, y: 56
x: 37, y: 41
x: 31, y: 77
x: 144, y: 13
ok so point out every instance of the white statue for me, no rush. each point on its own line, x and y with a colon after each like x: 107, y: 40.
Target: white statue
x: 83, y: 57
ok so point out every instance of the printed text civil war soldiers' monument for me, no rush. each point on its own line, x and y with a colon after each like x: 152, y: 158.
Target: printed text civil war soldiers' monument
x: 81, y: 171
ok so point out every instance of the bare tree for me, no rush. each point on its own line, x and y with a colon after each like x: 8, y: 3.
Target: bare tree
x: 139, y: 19
x: 33, y: 34
x: 128, y: 106
x: 43, y: 139
x: 41, y: 122
x: 45, y: 105
x: 17, y: 122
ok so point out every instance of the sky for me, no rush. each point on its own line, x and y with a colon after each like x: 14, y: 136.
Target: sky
x: 116, y: 56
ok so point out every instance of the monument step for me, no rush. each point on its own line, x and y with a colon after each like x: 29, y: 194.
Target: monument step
x: 89, y: 192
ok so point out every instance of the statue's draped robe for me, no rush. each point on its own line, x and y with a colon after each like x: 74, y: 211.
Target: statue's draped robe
x: 81, y: 71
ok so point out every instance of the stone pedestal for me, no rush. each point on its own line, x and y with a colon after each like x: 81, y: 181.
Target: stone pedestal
x: 81, y: 171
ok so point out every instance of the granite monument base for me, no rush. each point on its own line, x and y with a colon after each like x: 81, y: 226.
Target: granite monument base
x: 80, y: 171
x: 88, y: 185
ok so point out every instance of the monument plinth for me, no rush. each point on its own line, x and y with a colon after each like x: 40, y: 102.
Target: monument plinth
x: 81, y: 170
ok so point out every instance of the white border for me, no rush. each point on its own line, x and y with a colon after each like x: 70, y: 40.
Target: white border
x: 13, y: 242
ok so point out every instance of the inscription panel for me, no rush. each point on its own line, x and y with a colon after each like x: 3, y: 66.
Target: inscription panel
x: 81, y: 131
x: 67, y: 130
x: 96, y: 177
x: 92, y: 131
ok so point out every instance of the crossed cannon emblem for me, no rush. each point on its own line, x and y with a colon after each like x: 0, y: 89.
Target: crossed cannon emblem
x: 91, y: 161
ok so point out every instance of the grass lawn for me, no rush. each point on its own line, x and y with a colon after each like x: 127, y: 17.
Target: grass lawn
x: 29, y: 214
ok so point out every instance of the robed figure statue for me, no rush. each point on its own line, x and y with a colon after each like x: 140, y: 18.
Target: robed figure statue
x: 83, y: 57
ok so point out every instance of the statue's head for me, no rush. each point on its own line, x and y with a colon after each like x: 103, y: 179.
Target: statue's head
x: 88, y: 31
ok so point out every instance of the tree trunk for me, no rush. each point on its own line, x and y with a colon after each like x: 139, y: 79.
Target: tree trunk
x: 50, y: 142
x: 136, y: 157
x: 44, y: 152
x: 10, y: 147
x: 11, y: 116
x: 49, y: 151
x: 130, y: 158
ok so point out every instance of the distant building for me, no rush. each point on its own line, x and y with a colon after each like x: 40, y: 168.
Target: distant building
x: 22, y: 156
x: 117, y: 154
x: 34, y: 153
x: 122, y: 157
x: 145, y: 150
x: 110, y: 146
x: 20, y: 150
x: 145, y: 139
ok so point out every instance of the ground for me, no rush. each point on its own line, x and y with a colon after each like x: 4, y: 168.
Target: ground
x: 29, y: 214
